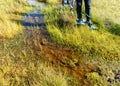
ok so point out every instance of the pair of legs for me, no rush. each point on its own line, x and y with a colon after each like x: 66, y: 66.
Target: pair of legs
x: 87, y: 9
x: 87, y: 12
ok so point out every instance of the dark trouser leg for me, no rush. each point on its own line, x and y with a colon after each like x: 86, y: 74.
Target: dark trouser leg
x: 68, y: 2
x: 87, y: 9
x: 79, y: 9
x: 62, y: 2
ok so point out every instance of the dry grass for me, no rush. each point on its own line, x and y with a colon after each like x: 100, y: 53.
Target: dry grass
x: 21, y: 60
x: 10, y: 18
x: 107, y: 10
x: 101, y: 46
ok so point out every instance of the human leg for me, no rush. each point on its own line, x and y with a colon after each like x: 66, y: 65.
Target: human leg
x: 79, y: 9
x: 88, y: 14
x: 87, y: 9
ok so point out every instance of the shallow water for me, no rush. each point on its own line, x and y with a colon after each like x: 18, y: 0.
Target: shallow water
x: 36, y: 3
x: 35, y: 17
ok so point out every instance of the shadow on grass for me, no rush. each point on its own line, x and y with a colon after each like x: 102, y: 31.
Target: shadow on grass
x: 18, y: 13
x: 112, y: 27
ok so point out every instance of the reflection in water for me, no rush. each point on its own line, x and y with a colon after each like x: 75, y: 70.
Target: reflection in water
x: 35, y: 3
x: 34, y: 18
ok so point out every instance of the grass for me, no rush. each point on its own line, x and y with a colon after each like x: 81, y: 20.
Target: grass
x: 49, y: 1
x: 21, y: 59
x: 107, y: 10
x: 87, y: 42
x: 22, y: 64
x: 9, y: 17
x: 102, y: 46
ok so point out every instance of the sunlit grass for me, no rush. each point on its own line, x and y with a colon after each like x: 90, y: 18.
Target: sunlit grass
x: 107, y: 10
x: 11, y: 11
x: 21, y: 63
x: 101, y: 46
x: 49, y: 1
x: 89, y: 42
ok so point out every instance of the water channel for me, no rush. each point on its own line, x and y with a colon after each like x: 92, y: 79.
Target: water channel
x: 35, y: 17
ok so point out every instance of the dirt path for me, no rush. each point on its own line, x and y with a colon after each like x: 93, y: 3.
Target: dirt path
x: 56, y: 54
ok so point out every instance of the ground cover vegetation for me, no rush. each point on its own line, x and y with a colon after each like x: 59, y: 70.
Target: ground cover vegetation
x: 77, y: 55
